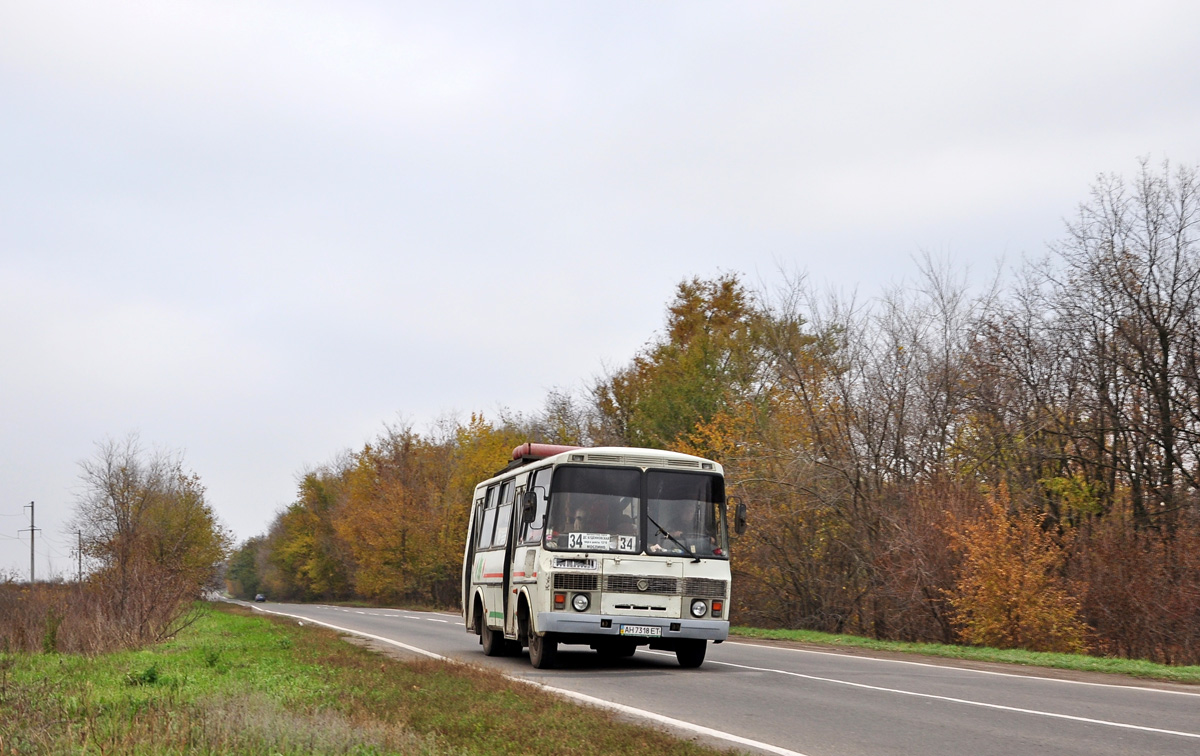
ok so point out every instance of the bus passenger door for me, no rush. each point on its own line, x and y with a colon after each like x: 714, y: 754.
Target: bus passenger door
x: 515, y: 568
x: 469, y: 559
x: 505, y: 519
x: 485, y: 555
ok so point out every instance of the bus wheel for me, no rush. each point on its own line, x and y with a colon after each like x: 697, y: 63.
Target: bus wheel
x: 690, y: 653
x: 523, y: 624
x: 542, y: 650
x: 493, y: 642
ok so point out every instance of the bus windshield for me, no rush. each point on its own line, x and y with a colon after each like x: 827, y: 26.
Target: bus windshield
x: 595, y: 509
x: 683, y: 516
x: 601, y: 509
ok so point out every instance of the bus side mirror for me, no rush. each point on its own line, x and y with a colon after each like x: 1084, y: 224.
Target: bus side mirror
x: 739, y: 518
x: 528, y: 506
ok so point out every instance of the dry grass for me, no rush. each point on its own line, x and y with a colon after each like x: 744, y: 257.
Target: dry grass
x: 240, y: 683
x: 83, y: 619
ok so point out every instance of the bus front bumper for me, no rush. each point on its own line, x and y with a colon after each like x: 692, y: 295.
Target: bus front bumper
x: 565, y: 624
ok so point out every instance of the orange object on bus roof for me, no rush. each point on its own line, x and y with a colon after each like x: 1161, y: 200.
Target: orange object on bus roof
x: 541, y: 451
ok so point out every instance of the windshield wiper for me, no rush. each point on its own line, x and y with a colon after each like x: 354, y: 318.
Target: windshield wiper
x: 674, y: 540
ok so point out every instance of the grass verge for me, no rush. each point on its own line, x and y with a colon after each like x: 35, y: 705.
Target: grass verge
x: 238, y: 683
x: 1132, y: 667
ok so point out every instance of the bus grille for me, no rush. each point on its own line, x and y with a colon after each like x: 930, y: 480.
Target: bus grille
x: 567, y: 581
x: 669, y: 586
x: 704, y: 587
x: 629, y: 584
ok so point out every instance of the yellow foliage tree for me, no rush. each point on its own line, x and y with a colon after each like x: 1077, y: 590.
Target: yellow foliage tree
x: 374, y: 522
x: 481, y: 450
x: 403, y: 517
x: 702, y: 363
x: 1010, y: 592
x: 305, y: 556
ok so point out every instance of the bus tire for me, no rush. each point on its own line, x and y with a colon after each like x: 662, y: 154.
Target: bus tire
x: 543, y: 650
x: 523, y: 633
x: 477, y: 619
x: 690, y: 653
x: 493, y: 642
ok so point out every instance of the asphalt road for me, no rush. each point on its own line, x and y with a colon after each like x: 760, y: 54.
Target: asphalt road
x: 790, y: 700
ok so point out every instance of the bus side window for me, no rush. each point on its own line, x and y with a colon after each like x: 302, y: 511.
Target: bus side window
x: 476, y: 522
x: 532, y: 533
x: 504, y: 513
x: 489, y: 519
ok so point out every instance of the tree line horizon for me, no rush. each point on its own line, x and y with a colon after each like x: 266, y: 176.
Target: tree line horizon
x: 1014, y: 465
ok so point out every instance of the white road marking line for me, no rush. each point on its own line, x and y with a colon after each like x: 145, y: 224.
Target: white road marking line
x: 631, y: 711
x: 1000, y: 707
x: 669, y: 721
x: 967, y: 669
x: 431, y: 619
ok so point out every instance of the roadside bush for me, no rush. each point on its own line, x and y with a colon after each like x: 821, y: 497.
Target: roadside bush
x: 917, y: 565
x: 82, y: 619
x: 1140, y: 590
x: 1010, y: 591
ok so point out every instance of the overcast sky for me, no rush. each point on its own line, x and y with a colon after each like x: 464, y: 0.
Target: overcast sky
x: 257, y: 231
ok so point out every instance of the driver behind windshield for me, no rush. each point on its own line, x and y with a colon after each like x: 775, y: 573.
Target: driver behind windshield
x: 670, y: 527
x: 591, y: 516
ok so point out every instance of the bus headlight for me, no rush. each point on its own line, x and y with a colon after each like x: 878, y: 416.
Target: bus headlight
x: 581, y: 602
x: 699, y: 608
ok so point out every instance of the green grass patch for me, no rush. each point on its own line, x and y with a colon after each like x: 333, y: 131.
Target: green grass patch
x: 1079, y: 662
x: 235, y: 682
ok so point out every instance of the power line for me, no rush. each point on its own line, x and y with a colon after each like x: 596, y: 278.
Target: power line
x: 54, y: 551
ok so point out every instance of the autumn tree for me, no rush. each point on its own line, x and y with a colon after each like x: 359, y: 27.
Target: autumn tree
x: 242, y: 575
x: 1029, y: 426
x: 1011, y: 592
x: 1085, y: 401
x: 385, y: 523
x: 565, y: 418
x: 150, y: 535
x: 393, y: 519
x: 859, y: 405
x: 1128, y: 292
x: 307, y: 560
x: 698, y: 365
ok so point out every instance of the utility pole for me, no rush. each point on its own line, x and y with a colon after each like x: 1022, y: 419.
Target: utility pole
x: 79, y: 553
x: 31, y: 530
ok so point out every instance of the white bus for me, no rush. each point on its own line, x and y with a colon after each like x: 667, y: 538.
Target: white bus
x: 611, y: 548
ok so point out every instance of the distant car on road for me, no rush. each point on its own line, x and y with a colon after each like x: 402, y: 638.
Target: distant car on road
x: 259, y: 597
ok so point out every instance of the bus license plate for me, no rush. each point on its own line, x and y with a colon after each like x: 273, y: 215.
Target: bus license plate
x: 643, y: 630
